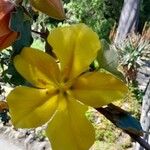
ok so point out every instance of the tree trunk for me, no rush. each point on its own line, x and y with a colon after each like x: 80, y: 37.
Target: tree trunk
x: 128, y: 20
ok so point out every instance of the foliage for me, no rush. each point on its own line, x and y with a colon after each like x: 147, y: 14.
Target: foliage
x: 145, y: 12
x: 132, y: 49
x: 108, y: 59
x: 137, y: 93
x: 130, y: 52
x: 99, y: 14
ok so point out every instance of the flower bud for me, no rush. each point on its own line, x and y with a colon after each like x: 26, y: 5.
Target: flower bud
x: 7, y: 36
x: 53, y: 8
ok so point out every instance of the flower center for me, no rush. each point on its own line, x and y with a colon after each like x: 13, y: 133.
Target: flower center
x: 64, y: 86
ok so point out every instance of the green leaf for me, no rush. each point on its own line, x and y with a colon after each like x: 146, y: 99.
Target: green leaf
x: 130, y: 124
x: 108, y: 59
x: 15, y: 78
x: 21, y: 23
x: 122, y: 119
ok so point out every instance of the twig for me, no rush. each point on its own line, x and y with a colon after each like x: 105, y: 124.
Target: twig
x: 42, y: 34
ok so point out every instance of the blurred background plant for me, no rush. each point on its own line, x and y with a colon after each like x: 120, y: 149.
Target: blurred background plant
x: 130, y: 51
x: 100, y: 15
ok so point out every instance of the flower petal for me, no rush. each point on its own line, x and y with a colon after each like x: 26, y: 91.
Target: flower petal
x: 53, y: 8
x: 30, y: 107
x: 98, y: 89
x: 7, y: 39
x: 37, y: 67
x: 70, y: 129
x: 7, y: 36
x: 76, y: 47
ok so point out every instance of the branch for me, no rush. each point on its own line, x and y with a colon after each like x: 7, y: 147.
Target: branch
x: 141, y: 141
x: 114, y: 113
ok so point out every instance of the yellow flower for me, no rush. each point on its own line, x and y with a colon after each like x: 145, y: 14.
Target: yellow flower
x: 61, y: 93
